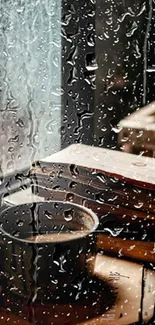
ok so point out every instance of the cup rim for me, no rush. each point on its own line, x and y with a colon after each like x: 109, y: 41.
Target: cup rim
x: 85, y: 209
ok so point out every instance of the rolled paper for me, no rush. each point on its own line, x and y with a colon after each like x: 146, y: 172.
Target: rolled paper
x: 139, y: 250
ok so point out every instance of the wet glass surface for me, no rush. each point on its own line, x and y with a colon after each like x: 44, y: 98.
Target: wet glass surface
x: 70, y: 74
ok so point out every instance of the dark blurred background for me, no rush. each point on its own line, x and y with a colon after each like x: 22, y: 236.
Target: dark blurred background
x: 112, y: 49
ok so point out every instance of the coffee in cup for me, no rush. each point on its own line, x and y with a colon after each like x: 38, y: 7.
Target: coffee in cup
x: 46, y: 246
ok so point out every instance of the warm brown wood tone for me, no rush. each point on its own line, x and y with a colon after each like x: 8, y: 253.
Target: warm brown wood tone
x: 45, y: 315
x: 57, y: 313
x: 143, y: 251
x: 9, y: 318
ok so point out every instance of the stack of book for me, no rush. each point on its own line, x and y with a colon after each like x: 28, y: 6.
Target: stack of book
x: 122, y: 181
x: 137, y: 131
x: 119, y: 187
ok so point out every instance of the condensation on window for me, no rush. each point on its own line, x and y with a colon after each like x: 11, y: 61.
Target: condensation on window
x: 30, y: 66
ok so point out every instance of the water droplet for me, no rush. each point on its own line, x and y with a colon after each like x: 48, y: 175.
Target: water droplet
x: 56, y: 205
x: 20, y: 123
x: 101, y: 37
x: 19, y: 223
x: 51, y: 126
x: 14, y: 139
x: 138, y: 205
x: 68, y: 215
x: 120, y: 253
x: 116, y: 129
x: 91, y: 64
x: 70, y: 197
x: 57, y: 91
x: 10, y: 165
x: 10, y: 149
x: 139, y: 164
x: 115, y: 232
x: 127, y: 13
x: 13, y: 289
x: 132, y: 30
x: 16, y: 234
x: 90, y: 40
x: 73, y: 185
x: 113, y: 198
x: 48, y: 215
x: 101, y: 177
x: 74, y: 170
x: 131, y: 248
x: 114, y: 180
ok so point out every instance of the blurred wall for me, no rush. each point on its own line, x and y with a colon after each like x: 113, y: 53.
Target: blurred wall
x: 120, y: 32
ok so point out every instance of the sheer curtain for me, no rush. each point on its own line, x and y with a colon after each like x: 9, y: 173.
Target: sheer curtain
x: 30, y: 81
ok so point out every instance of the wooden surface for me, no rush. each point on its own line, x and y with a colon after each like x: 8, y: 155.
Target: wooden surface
x: 47, y: 314
x: 9, y: 318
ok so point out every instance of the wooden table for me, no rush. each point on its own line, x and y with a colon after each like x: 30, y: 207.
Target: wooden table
x: 128, y: 287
